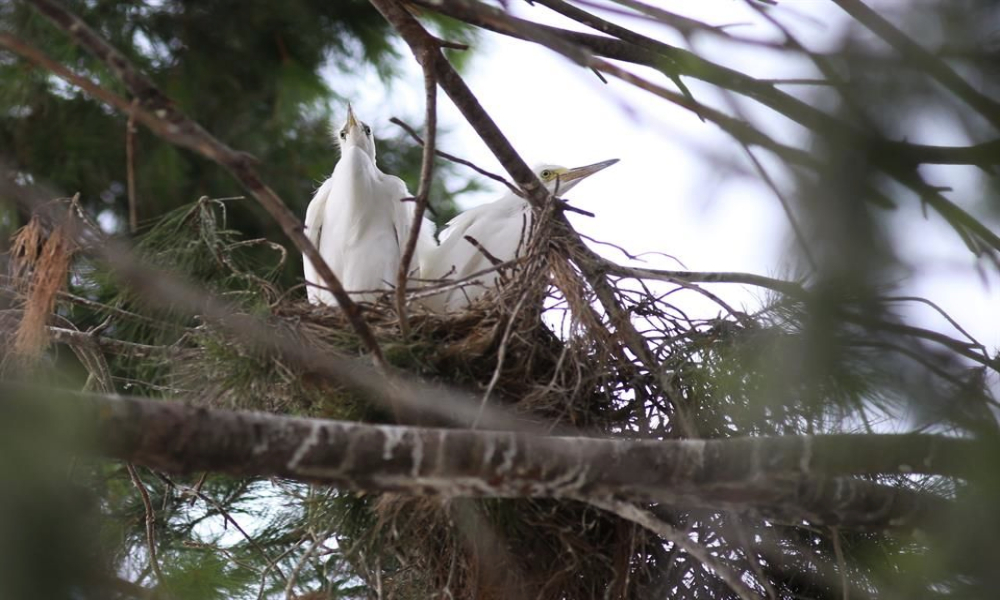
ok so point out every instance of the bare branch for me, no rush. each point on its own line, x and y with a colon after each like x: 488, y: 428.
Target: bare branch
x: 455, y: 159
x: 154, y: 562
x: 424, y: 189
x: 70, y: 337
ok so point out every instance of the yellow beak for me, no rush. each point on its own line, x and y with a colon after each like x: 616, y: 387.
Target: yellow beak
x: 352, y: 122
x: 579, y: 173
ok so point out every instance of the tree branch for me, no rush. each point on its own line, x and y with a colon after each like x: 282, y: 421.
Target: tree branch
x: 675, y: 61
x: 785, y: 478
x: 788, y: 288
x: 423, y: 44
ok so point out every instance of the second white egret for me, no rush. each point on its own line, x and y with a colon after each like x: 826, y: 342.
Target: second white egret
x: 500, y: 228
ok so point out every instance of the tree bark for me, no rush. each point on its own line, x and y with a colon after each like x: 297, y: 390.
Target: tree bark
x: 789, y: 478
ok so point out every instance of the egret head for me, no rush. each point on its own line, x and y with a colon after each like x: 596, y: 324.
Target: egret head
x: 356, y: 133
x: 560, y: 180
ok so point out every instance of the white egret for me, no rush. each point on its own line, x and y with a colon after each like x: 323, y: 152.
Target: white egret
x: 358, y: 221
x: 500, y: 227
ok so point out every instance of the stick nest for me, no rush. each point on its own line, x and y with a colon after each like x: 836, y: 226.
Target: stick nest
x: 552, y: 374
x: 542, y: 347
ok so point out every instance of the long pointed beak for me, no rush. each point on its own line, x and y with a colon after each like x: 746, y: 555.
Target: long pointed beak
x: 352, y: 122
x: 580, y: 173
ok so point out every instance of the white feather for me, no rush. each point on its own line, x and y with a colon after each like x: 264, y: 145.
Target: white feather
x: 501, y: 227
x: 358, y: 222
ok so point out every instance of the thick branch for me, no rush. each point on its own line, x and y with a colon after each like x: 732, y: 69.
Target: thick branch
x: 787, y: 478
x: 163, y: 118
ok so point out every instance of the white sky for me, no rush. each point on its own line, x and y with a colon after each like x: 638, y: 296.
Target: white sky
x: 673, y: 191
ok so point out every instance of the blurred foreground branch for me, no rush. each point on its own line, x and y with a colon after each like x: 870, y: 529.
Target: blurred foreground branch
x: 789, y: 478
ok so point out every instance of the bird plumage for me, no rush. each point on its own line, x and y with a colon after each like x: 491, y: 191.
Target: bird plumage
x: 501, y: 227
x: 358, y: 221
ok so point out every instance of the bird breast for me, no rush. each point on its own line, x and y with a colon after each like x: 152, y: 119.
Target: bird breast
x: 362, y: 201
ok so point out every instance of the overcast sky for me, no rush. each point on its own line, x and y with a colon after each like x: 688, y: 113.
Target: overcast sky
x: 675, y: 191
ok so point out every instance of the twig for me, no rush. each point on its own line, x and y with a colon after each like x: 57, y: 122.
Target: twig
x: 150, y: 521
x: 753, y: 559
x: 164, y: 119
x: 786, y: 205
x: 501, y: 355
x: 294, y: 575
x: 423, y: 190
x: 841, y: 563
x: 951, y: 320
x: 68, y: 336
x: 225, y: 515
x: 455, y: 159
x: 788, y: 288
x: 133, y: 209
x: 633, y: 513
x: 272, y: 564
x: 496, y: 262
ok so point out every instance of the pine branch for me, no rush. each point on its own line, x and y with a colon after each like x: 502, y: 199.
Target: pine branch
x: 789, y: 478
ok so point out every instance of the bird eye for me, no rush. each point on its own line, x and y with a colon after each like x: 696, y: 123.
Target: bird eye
x: 368, y: 130
x: 546, y: 174
x: 343, y: 134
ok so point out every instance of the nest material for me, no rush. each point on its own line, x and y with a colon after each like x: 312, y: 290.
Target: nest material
x: 539, y: 348
x: 504, y: 548
x: 505, y: 343
x: 40, y: 267
x: 476, y: 549
x: 541, y: 377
